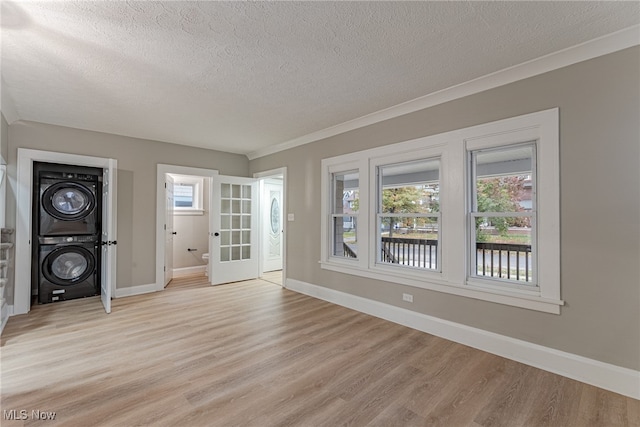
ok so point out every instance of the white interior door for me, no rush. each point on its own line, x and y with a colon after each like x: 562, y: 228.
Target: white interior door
x: 234, y: 222
x: 109, y: 242
x: 168, y: 229
x: 272, y: 225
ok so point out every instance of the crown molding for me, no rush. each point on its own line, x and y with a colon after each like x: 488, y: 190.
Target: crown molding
x: 604, y: 45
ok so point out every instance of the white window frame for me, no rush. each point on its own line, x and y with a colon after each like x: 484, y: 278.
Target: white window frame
x: 343, y: 215
x: 327, y: 242
x: 414, y: 154
x: 452, y: 148
x: 475, y: 278
x: 542, y: 129
x: 197, y: 182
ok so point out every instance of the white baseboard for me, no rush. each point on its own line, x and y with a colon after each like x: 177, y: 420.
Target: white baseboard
x: 7, y: 311
x: 152, y: 287
x: 604, y: 375
x: 189, y: 271
x: 135, y: 290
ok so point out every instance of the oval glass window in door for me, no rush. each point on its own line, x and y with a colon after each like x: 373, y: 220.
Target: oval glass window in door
x: 275, y: 216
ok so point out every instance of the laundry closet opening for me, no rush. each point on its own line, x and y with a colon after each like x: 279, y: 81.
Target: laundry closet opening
x: 65, y: 228
x: 66, y: 232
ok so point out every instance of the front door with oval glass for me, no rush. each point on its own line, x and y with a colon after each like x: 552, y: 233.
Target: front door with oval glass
x: 272, y: 225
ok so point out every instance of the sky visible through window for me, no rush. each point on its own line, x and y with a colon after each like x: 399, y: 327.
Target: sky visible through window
x: 183, y: 195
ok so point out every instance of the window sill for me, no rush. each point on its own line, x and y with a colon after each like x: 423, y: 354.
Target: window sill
x: 193, y: 212
x: 529, y: 301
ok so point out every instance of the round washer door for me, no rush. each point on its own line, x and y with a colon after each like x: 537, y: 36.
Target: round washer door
x: 68, y: 201
x: 68, y: 265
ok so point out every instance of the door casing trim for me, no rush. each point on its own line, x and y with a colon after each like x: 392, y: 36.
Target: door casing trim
x: 163, y: 169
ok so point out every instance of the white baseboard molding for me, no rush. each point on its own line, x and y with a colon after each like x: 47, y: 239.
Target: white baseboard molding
x: 7, y: 311
x: 604, y: 375
x: 135, y: 290
x: 189, y: 271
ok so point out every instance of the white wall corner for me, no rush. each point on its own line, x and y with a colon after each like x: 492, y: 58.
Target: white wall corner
x: 7, y: 105
x: 3, y: 323
x: 600, y: 374
x: 6, y: 313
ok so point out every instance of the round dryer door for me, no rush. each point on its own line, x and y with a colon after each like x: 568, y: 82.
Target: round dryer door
x: 68, y: 265
x: 68, y: 201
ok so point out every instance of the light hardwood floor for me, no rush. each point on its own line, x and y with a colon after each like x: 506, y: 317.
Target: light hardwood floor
x: 254, y: 354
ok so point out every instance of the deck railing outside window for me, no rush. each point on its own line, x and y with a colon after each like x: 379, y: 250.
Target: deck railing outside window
x: 422, y: 253
x: 501, y: 260
x: 504, y: 260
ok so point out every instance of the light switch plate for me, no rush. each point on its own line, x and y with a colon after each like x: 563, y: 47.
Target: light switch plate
x: 291, y: 217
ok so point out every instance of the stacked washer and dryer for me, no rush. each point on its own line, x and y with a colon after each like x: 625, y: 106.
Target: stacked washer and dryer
x: 67, y: 231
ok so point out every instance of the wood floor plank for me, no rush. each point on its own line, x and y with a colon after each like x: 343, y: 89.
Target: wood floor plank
x: 255, y: 354
x: 474, y: 387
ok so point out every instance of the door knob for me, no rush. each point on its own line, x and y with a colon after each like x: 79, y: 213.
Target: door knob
x: 175, y: 232
x: 216, y: 234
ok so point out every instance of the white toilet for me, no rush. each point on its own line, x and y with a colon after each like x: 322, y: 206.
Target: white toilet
x: 205, y: 258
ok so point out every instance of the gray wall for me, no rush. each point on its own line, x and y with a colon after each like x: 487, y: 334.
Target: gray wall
x: 4, y: 140
x: 599, y: 103
x: 136, y: 196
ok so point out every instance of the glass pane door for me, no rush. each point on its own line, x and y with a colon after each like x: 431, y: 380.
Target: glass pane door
x: 234, y: 242
x: 235, y: 222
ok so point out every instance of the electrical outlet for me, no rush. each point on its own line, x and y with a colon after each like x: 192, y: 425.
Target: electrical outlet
x: 407, y: 297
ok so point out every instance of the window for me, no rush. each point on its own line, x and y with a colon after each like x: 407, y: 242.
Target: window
x: 188, y: 195
x: 183, y: 195
x: 408, y: 214
x: 344, y: 214
x: 471, y: 212
x: 503, y: 216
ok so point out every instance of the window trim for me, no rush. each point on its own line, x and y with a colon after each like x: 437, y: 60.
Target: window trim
x: 327, y: 189
x: 416, y: 153
x: 333, y: 215
x: 474, y: 213
x: 197, y: 182
x: 541, y: 127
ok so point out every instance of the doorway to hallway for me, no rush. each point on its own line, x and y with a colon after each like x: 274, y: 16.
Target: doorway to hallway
x: 273, y: 226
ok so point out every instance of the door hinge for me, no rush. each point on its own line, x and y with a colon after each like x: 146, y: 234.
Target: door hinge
x: 165, y: 185
x: 165, y: 226
x: 165, y: 268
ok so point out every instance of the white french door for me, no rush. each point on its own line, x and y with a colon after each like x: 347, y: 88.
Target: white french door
x: 234, y: 227
x: 109, y: 242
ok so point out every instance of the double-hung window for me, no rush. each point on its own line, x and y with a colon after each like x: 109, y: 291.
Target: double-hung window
x: 513, y: 210
x: 344, y: 213
x: 408, y: 214
x: 503, y: 214
x: 471, y: 212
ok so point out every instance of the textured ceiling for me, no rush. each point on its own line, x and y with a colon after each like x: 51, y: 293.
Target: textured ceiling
x: 240, y: 76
